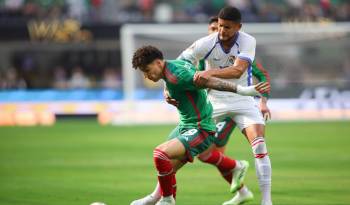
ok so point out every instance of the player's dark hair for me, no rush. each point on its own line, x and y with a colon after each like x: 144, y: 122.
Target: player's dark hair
x: 213, y: 19
x: 145, y: 55
x: 230, y: 13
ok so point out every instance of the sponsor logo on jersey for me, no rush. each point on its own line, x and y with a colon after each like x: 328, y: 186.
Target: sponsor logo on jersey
x: 232, y: 59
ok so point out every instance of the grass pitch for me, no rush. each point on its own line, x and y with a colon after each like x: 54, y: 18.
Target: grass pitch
x: 79, y: 162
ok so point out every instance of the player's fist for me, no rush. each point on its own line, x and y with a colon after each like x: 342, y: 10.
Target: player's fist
x: 262, y: 87
x: 265, y: 109
x: 170, y: 100
x: 200, y: 78
x: 253, y: 90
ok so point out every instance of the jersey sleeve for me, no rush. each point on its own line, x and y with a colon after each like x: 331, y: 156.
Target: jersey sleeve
x: 261, y: 75
x: 247, y: 50
x: 195, y: 52
x: 201, y: 65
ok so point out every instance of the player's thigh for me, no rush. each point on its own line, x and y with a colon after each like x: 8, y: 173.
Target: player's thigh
x: 173, y: 148
x: 250, y: 121
x: 196, y: 141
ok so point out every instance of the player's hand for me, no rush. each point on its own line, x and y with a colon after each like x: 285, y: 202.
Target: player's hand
x: 262, y: 87
x: 170, y: 100
x: 200, y: 78
x: 265, y: 109
x: 253, y: 90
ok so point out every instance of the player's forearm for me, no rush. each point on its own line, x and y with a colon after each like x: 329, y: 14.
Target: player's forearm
x: 219, y: 84
x: 222, y: 85
x: 234, y: 71
x: 263, y: 99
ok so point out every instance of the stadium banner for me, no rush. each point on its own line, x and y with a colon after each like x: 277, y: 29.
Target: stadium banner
x: 122, y: 112
x: 57, y: 30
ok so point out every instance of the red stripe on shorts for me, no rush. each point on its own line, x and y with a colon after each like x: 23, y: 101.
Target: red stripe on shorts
x: 199, y: 139
x: 227, y: 129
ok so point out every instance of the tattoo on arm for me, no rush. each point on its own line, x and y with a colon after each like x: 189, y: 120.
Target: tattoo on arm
x: 219, y: 84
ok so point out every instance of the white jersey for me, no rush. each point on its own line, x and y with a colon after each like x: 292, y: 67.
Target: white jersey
x: 210, y: 49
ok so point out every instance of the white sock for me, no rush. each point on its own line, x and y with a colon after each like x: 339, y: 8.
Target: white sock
x: 263, y: 169
x: 243, y: 191
x: 156, y: 193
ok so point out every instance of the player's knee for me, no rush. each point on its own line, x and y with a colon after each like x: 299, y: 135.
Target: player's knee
x: 159, y: 154
x: 204, y: 156
x: 259, y: 147
x: 162, y: 162
x: 254, y: 131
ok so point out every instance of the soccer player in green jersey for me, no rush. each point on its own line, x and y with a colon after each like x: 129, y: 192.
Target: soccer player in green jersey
x: 195, y: 132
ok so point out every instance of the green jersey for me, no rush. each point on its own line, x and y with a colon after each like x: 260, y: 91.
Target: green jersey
x: 194, y: 108
x: 261, y: 74
x: 257, y: 70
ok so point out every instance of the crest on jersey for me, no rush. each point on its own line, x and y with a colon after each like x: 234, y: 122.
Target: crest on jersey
x: 232, y: 59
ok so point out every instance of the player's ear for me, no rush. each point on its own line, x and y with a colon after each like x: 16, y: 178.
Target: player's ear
x: 159, y: 62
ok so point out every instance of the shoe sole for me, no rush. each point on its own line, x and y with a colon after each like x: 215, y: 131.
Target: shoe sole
x: 243, y: 201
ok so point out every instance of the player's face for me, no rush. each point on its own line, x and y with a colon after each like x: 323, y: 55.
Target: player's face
x: 227, y: 29
x: 154, y: 70
x: 213, y: 27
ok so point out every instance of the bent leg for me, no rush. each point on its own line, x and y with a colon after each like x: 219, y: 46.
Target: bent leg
x: 163, y: 154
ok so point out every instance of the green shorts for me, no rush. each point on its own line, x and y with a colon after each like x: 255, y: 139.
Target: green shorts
x: 195, y: 140
x: 224, y: 129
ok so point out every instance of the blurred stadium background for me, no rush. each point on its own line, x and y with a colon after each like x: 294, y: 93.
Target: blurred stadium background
x: 64, y: 59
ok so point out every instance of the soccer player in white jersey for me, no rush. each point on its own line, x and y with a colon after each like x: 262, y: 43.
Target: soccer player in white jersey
x: 229, y: 54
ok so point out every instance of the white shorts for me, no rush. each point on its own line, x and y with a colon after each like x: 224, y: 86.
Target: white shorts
x: 244, y: 112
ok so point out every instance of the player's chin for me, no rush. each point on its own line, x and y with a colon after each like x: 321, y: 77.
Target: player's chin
x: 224, y: 38
x: 154, y: 79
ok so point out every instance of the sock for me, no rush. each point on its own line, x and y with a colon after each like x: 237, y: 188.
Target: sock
x: 263, y: 168
x: 224, y: 164
x: 157, y: 193
x: 243, y: 190
x: 165, y: 172
x: 173, y: 183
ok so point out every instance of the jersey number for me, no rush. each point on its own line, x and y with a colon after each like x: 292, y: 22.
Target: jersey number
x: 190, y: 132
x: 219, y: 127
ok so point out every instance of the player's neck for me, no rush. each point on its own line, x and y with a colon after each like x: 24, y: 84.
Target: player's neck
x: 163, y: 68
x: 227, y: 44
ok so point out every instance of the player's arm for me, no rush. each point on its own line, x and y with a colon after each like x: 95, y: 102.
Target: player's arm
x: 263, y: 76
x: 168, y: 98
x: 222, y: 85
x: 242, y: 62
x: 234, y: 71
x: 201, y: 65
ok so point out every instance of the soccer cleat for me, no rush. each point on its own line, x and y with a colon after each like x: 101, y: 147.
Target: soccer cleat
x: 169, y: 200
x: 147, y: 200
x: 240, y: 199
x: 238, y: 176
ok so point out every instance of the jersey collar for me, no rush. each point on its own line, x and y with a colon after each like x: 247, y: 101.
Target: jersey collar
x: 234, y: 39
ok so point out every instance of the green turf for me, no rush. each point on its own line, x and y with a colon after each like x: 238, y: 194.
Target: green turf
x: 79, y: 162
